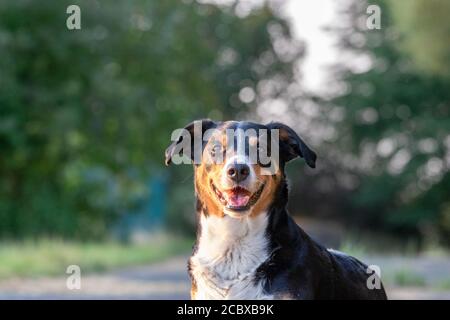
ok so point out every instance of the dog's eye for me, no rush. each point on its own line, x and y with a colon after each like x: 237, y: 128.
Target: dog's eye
x: 216, y: 149
x: 263, y: 149
x: 264, y: 156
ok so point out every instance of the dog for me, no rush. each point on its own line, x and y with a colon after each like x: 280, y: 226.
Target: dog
x: 248, y: 246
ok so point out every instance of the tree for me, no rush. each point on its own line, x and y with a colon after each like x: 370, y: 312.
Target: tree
x: 85, y: 115
x: 425, y: 29
x: 395, y: 128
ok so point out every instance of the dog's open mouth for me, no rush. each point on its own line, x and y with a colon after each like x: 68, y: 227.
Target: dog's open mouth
x: 237, y: 198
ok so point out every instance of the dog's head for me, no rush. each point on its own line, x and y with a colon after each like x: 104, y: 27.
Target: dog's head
x: 238, y: 165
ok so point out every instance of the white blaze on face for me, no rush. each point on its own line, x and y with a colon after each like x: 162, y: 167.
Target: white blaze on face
x: 237, y: 195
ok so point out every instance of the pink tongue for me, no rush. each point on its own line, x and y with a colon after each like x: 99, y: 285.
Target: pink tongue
x: 238, y: 200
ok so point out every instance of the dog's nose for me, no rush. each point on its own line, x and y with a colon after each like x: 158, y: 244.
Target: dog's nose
x: 238, y: 171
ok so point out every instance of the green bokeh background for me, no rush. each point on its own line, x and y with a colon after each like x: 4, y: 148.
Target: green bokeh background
x: 85, y: 115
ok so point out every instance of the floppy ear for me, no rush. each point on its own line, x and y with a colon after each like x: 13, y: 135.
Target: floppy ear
x: 205, y: 125
x: 292, y: 146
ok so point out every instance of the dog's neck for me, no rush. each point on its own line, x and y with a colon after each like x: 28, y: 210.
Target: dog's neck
x: 229, y: 241
x: 231, y: 254
x: 217, y: 235
x: 228, y: 253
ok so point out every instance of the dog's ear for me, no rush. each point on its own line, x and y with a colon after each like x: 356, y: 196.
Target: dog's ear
x: 292, y: 146
x: 205, y: 125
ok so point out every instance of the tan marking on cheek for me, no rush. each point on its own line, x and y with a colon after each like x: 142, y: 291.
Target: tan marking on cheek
x: 193, y: 290
x: 204, y: 191
x: 267, y: 196
x: 216, y: 174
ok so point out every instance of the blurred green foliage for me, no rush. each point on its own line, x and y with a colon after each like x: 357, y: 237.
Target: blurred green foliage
x: 425, y: 29
x: 85, y: 115
x: 393, y: 135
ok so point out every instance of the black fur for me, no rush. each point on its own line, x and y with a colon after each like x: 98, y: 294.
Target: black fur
x: 292, y: 146
x: 300, y: 268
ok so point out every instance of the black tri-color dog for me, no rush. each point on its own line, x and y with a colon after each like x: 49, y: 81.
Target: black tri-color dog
x: 248, y: 246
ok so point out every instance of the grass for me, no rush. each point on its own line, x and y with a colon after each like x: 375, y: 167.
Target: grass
x: 407, y: 278
x: 393, y: 275
x: 51, y: 258
x: 353, y: 248
x: 376, y: 244
x: 444, y: 284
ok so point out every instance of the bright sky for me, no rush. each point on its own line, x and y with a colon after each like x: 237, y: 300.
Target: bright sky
x: 308, y: 18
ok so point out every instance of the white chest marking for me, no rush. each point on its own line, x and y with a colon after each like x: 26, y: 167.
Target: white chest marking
x: 229, y: 252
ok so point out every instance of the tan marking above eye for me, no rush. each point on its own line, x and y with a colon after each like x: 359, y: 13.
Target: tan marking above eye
x: 253, y: 141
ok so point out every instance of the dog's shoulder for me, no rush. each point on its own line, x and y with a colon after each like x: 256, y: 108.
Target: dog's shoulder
x: 354, y: 279
x: 300, y: 267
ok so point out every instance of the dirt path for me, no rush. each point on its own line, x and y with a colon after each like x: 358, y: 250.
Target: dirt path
x: 169, y: 280
x: 166, y: 280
